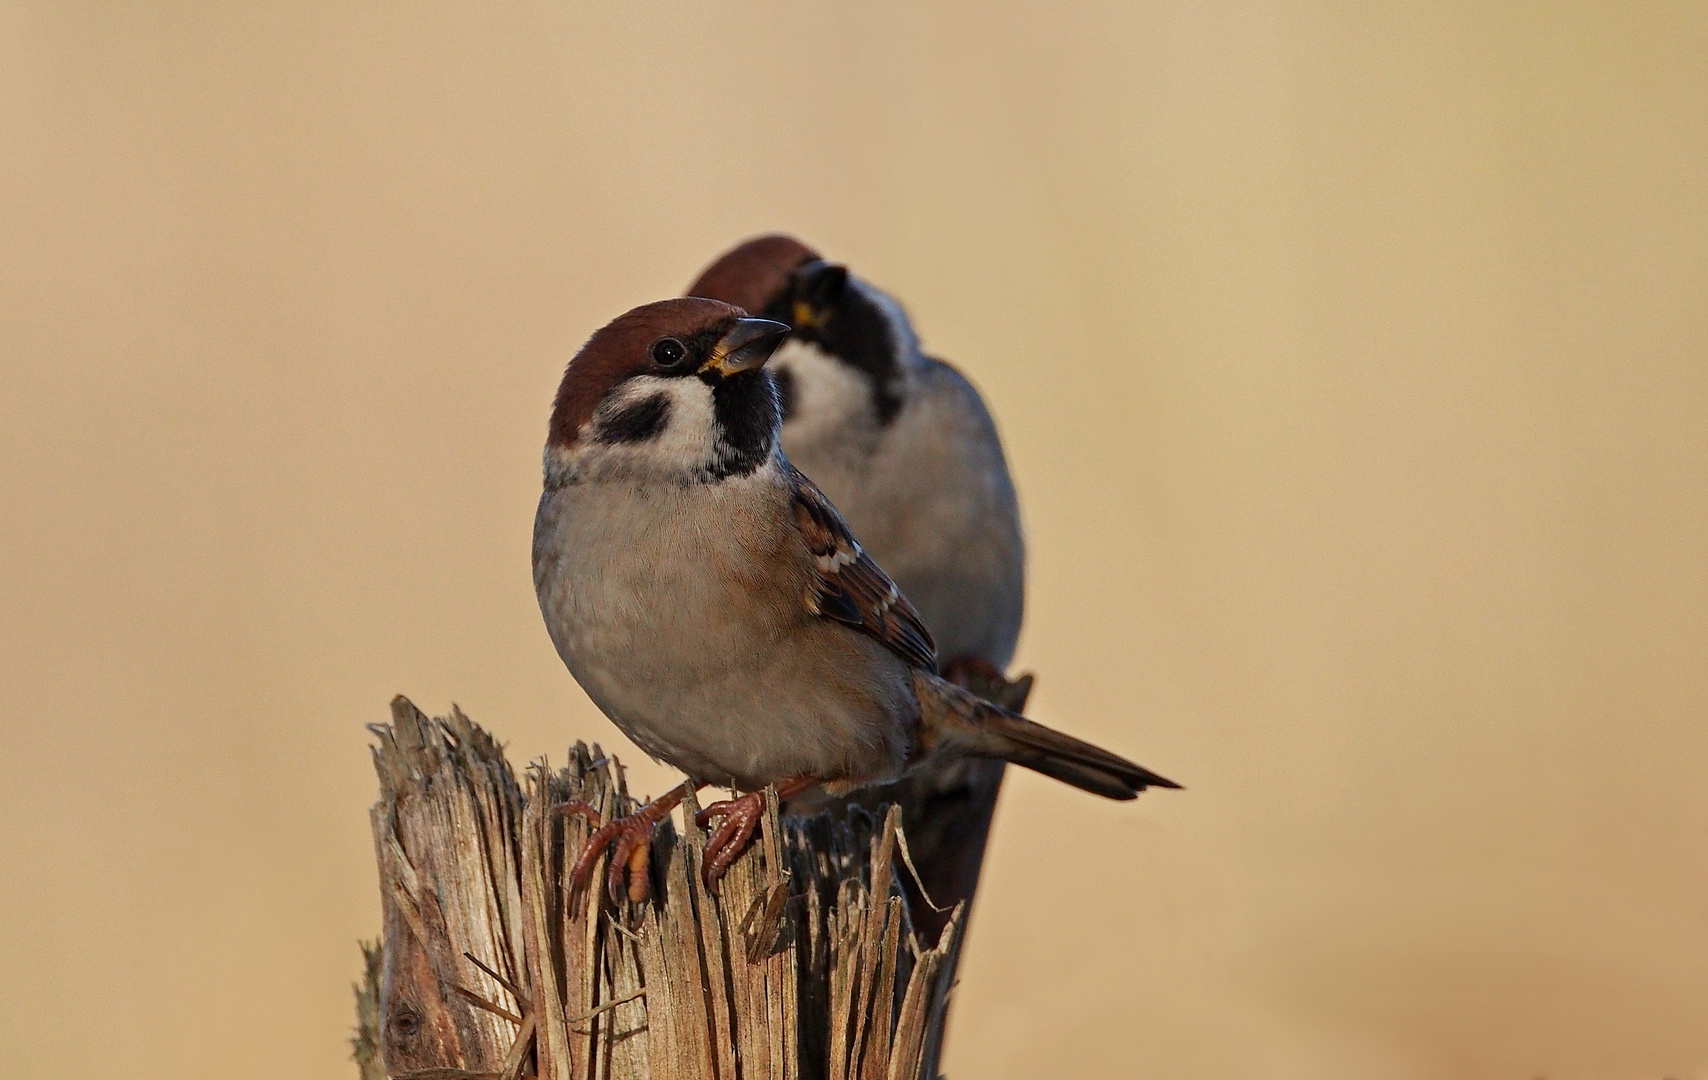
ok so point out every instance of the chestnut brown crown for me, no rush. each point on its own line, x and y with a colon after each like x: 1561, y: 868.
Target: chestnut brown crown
x: 754, y: 273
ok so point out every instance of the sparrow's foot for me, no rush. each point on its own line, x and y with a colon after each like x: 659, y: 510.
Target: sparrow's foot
x: 630, y: 840
x: 739, y: 820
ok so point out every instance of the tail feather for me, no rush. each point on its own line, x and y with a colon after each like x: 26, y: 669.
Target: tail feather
x: 959, y: 722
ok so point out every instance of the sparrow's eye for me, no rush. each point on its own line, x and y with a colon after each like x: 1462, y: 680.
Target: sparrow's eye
x: 668, y: 352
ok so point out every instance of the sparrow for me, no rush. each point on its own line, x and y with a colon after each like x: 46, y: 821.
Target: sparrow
x: 904, y: 446
x: 712, y: 602
x: 901, y: 441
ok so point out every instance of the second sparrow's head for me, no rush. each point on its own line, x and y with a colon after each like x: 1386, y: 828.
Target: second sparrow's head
x: 674, y: 391
x: 852, y: 348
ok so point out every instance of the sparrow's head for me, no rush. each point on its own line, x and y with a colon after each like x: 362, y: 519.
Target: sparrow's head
x: 674, y: 390
x: 853, y: 348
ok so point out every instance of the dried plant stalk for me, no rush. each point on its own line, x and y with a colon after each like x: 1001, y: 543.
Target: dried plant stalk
x: 803, y: 967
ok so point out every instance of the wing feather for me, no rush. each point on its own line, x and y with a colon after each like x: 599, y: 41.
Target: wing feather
x: 852, y: 589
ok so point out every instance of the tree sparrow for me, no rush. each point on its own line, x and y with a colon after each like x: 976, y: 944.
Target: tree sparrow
x: 904, y: 446
x: 899, y: 440
x: 712, y: 602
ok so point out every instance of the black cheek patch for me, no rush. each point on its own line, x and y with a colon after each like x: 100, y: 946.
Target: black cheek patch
x: 643, y: 420
x: 857, y: 333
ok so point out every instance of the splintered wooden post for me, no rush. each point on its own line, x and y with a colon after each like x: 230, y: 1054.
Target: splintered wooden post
x: 804, y: 966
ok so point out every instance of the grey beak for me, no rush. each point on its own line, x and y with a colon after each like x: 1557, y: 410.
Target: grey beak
x: 745, y: 346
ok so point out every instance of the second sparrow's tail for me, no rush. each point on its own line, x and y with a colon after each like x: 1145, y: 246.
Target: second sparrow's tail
x: 955, y: 721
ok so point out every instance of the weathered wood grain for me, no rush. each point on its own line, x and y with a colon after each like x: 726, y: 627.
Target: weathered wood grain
x: 803, y: 967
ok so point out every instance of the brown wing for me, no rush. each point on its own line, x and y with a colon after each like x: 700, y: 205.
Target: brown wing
x: 849, y: 587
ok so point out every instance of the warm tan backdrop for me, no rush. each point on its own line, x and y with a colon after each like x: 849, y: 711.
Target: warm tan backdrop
x: 1353, y: 366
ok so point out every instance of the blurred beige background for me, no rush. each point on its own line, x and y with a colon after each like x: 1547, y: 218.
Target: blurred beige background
x: 1353, y: 364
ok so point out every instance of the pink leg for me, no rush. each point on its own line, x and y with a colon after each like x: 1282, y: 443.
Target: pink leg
x: 633, y: 839
x: 740, y: 818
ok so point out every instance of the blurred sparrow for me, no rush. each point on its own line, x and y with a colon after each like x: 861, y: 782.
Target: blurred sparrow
x: 713, y: 604
x: 905, y: 448
x: 900, y: 441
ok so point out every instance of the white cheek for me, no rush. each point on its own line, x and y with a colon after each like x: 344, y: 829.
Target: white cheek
x: 685, y: 445
x: 689, y: 434
x: 828, y: 394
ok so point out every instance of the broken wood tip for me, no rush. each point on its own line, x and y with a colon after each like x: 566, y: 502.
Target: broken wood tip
x: 804, y: 966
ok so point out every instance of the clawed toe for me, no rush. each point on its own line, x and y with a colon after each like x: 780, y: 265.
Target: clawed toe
x: 632, y: 857
x: 740, y: 819
x: 630, y: 840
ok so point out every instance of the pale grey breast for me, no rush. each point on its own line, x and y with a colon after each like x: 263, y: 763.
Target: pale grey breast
x: 666, y: 604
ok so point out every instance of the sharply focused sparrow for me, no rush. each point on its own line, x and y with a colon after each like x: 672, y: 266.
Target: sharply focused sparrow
x: 905, y: 448
x: 711, y: 601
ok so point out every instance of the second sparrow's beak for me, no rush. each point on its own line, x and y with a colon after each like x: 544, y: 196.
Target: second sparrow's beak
x: 817, y: 287
x: 747, y: 345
